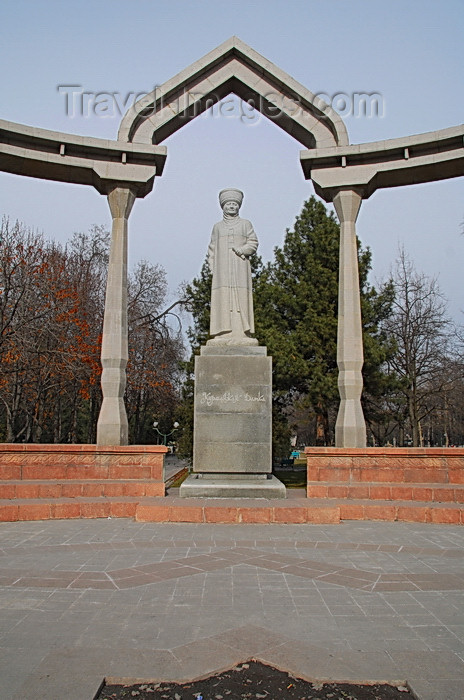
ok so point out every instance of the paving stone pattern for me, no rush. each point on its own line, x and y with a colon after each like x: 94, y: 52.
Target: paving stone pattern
x: 84, y: 600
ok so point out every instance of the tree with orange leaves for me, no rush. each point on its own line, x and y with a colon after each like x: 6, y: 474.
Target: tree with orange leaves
x: 51, y: 315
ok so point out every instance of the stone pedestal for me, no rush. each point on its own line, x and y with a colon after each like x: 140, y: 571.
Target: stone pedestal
x: 233, y: 425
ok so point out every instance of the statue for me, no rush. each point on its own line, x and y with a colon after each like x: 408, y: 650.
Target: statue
x: 233, y: 241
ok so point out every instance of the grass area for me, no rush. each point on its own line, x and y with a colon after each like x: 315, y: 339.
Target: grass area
x: 300, y: 462
x: 293, y: 478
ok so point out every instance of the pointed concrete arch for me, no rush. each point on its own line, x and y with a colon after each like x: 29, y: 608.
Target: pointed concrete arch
x: 125, y: 170
x: 233, y: 67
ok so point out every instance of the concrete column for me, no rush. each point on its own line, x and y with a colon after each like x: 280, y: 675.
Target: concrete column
x: 112, y: 426
x: 350, y: 429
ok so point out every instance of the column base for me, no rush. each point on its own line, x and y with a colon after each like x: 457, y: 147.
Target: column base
x: 350, y: 429
x: 232, y: 486
x: 112, y: 427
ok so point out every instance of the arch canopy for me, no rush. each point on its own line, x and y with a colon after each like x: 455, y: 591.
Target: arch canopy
x: 233, y: 68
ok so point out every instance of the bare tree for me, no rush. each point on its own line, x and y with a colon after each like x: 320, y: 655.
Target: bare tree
x: 155, y: 352
x: 422, y: 332
x: 51, y: 315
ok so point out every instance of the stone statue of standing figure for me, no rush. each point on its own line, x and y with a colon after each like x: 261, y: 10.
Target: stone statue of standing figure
x: 233, y: 241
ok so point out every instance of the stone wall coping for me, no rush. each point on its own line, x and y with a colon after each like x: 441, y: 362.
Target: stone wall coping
x: 387, y: 451
x: 97, y: 449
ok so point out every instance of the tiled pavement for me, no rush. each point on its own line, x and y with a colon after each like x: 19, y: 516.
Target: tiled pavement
x: 87, y: 599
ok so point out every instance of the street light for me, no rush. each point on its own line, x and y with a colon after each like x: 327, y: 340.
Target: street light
x: 165, y: 435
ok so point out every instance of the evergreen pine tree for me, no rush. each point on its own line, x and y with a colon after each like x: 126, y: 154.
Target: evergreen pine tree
x: 296, y: 308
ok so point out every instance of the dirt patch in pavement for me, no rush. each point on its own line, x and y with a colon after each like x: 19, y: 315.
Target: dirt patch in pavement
x: 254, y: 681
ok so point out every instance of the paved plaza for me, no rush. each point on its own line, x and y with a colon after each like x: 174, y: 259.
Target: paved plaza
x: 85, y: 600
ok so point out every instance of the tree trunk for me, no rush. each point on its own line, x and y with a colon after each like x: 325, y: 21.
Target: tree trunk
x: 322, y: 426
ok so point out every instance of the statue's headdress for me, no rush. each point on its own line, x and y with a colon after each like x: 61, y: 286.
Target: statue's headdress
x: 230, y: 195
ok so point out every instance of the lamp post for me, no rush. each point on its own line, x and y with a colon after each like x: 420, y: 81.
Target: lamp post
x: 165, y: 435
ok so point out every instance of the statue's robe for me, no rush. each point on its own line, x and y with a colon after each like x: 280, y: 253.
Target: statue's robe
x: 231, y: 286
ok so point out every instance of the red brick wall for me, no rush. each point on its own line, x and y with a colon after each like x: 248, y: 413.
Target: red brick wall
x: 28, y: 462
x: 360, y: 467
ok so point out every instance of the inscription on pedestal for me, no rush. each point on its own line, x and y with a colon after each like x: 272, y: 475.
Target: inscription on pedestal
x: 210, y: 399
x: 233, y: 409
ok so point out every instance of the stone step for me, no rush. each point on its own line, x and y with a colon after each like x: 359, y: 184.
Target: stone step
x: 413, y: 511
x: 72, y: 488
x: 439, y: 493
x: 293, y: 510
x: 237, y: 510
x: 67, y: 508
x: 224, y: 510
x: 172, y: 509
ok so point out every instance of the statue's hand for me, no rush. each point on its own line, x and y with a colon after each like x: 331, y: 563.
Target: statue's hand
x: 238, y: 252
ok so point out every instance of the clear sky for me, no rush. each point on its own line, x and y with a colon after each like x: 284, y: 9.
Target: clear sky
x: 410, y: 52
